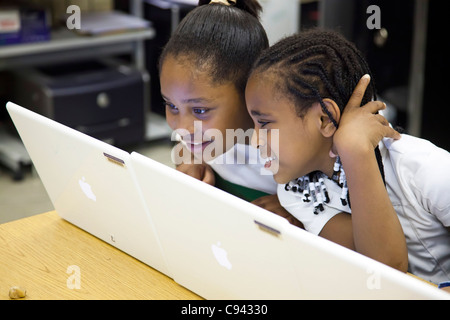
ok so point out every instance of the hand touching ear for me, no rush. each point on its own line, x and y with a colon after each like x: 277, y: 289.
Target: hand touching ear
x: 361, y: 128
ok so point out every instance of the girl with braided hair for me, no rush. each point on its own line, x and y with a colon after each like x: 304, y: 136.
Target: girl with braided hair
x: 332, y: 162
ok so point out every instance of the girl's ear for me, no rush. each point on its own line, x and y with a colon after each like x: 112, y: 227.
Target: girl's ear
x: 327, y: 125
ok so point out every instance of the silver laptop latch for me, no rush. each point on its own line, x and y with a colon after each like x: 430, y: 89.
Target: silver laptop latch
x: 114, y: 159
x: 268, y: 229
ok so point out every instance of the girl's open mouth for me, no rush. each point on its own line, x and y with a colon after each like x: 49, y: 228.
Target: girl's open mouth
x: 268, y: 163
x: 192, y: 145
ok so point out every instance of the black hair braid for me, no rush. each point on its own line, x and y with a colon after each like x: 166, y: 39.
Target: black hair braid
x: 318, y: 64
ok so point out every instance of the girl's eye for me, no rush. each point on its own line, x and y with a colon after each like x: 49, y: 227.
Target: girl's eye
x: 200, y: 111
x: 263, y: 123
x: 171, y: 106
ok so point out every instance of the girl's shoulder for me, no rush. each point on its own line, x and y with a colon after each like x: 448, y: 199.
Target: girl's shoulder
x: 414, y: 154
x: 420, y: 169
x: 410, y: 144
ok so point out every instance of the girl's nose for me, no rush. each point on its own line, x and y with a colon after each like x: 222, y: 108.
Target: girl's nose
x: 256, y: 140
x: 190, y: 131
x: 186, y: 124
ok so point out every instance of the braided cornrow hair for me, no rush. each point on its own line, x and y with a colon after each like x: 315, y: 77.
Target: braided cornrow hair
x: 314, y: 65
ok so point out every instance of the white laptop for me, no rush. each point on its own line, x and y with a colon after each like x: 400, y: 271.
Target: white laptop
x: 90, y: 184
x: 222, y: 247
x: 215, y: 244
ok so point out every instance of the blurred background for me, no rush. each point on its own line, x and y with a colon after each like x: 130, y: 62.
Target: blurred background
x: 102, y: 79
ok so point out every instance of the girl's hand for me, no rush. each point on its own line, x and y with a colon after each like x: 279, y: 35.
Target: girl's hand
x: 272, y: 204
x: 376, y: 229
x: 202, y: 172
x: 361, y: 128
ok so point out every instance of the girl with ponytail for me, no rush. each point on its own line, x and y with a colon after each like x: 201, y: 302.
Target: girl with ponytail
x: 203, y: 73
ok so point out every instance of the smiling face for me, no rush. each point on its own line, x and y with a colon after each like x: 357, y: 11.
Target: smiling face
x: 300, y: 147
x: 194, y: 103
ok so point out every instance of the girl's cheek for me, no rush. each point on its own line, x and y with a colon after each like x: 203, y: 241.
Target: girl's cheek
x: 170, y: 121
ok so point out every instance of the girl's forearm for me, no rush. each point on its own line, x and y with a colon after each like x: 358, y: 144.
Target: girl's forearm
x: 377, y: 230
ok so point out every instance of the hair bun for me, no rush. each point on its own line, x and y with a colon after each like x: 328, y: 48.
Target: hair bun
x: 251, y: 6
x: 224, y: 2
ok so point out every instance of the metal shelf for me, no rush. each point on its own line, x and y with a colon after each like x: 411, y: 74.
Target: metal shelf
x: 66, y: 45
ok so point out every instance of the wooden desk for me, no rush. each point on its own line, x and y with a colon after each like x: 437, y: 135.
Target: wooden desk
x: 37, y: 253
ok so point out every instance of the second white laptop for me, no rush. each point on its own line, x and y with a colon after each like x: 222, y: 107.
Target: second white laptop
x: 217, y: 245
x: 222, y: 247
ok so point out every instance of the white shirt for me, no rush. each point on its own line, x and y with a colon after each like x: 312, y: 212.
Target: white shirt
x: 417, y: 175
x: 243, y: 165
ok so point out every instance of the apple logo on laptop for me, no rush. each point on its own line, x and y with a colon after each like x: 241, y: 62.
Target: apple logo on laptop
x: 87, y: 190
x: 221, y: 255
